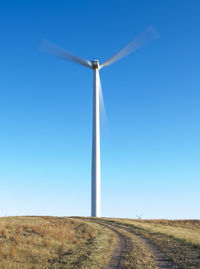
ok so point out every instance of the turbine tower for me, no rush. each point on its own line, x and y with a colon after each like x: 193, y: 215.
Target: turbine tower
x: 148, y: 35
x: 96, y: 173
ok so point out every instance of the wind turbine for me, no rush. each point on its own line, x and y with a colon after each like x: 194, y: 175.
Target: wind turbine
x: 148, y: 35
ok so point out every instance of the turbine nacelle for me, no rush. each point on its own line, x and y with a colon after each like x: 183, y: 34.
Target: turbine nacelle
x: 95, y: 64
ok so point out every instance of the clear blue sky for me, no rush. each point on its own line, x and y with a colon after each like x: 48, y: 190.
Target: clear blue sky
x: 150, y: 151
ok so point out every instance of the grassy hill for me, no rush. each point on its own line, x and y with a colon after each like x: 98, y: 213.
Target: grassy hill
x: 50, y: 242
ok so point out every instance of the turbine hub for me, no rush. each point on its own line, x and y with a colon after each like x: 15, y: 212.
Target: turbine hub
x: 95, y: 64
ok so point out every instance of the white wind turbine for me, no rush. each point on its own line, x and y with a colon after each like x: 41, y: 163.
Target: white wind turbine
x: 148, y: 35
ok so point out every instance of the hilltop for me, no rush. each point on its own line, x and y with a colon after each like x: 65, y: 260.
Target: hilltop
x: 77, y: 242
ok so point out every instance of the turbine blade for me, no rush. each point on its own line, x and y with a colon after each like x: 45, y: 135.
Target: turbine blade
x: 147, y: 36
x: 103, y: 119
x: 49, y: 48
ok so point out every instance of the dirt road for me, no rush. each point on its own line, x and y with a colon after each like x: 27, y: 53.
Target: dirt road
x: 135, y: 251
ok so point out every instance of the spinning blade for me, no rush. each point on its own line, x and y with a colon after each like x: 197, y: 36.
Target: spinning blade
x: 103, y: 119
x: 147, y: 36
x: 50, y: 48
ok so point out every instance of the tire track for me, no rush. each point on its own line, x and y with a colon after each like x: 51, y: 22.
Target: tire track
x: 162, y: 259
x: 120, y: 250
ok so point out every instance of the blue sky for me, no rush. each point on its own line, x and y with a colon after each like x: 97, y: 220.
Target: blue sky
x: 150, y: 150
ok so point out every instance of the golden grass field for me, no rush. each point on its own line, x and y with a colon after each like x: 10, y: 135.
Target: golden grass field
x: 48, y: 242
x: 52, y: 242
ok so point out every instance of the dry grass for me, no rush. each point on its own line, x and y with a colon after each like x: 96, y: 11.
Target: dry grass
x: 186, y: 230
x: 180, y: 239
x: 48, y: 242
